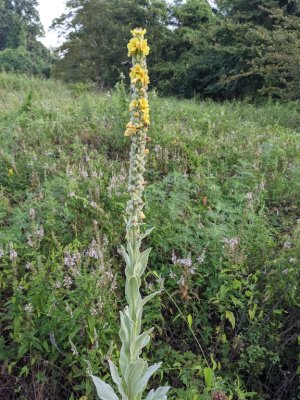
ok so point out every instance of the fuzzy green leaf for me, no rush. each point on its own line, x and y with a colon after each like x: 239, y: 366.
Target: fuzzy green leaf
x: 104, y: 391
x: 158, y: 394
x: 117, y: 379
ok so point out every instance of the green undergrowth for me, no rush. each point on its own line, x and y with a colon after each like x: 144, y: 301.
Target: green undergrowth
x: 223, y: 196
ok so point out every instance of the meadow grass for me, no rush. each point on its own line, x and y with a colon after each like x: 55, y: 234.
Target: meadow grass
x: 223, y: 195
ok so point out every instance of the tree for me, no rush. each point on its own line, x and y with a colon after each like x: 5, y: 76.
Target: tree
x: 20, y: 50
x: 178, y: 71
x: 253, y: 50
x: 97, y: 33
x: 19, y: 23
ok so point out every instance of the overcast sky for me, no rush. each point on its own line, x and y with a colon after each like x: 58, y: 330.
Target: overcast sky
x: 50, y: 9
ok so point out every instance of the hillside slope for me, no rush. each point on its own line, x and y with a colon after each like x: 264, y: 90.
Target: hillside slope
x: 223, y: 196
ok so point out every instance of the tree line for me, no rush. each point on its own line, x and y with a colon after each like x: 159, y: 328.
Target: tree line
x: 231, y: 49
x: 20, y: 49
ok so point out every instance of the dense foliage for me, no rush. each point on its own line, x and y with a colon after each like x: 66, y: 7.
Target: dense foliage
x: 223, y: 194
x: 239, y: 49
x: 20, y: 50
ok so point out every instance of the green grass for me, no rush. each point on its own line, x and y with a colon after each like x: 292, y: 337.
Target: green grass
x: 223, y: 185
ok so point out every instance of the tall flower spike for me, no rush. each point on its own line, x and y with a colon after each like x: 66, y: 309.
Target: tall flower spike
x: 133, y: 373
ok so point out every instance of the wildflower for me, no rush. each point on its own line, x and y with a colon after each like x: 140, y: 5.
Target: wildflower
x: 94, y: 251
x: 13, y: 254
x: 139, y: 74
x: 186, y: 262
x: 29, y: 240
x: 219, y: 395
x: 32, y: 213
x: 83, y: 173
x: 131, y: 337
x: 28, y: 266
x: 138, y: 46
x: 68, y: 282
x: 157, y: 149
x: 131, y: 130
x: 138, y: 31
x: 10, y: 172
x: 40, y: 232
x: 249, y: 196
x: 28, y: 308
x: 94, y: 312
x: 94, y: 204
x: 1, y: 252
x: 174, y: 257
x: 70, y: 260
x: 57, y: 285
x: 71, y: 194
x: 201, y: 258
x: 231, y: 243
x: 172, y: 274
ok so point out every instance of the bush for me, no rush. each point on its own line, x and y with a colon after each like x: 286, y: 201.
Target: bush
x: 22, y: 61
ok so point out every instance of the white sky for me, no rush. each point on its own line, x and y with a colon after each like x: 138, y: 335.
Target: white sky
x: 50, y: 9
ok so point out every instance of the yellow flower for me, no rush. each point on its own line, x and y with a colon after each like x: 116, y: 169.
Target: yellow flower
x: 138, y: 73
x: 10, y: 171
x: 132, y: 46
x: 142, y: 215
x: 133, y: 105
x: 131, y: 129
x: 138, y: 31
x: 136, y: 45
x: 146, y: 119
x: 146, y: 151
x: 145, y: 49
x: 144, y: 105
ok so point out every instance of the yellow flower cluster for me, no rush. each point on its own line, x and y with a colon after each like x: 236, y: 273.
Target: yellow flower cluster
x: 139, y: 106
x: 139, y: 74
x: 138, y: 45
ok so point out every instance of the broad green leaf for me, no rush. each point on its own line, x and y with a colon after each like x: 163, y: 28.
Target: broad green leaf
x: 231, y: 318
x: 208, y: 376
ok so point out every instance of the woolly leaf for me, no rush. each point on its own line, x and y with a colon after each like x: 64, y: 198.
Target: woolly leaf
x: 145, y: 378
x: 149, y: 297
x: 117, y: 379
x: 133, y: 296
x: 133, y: 376
x: 140, y: 342
x: 142, y: 262
x: 104, y: 391
x: 158, y: 394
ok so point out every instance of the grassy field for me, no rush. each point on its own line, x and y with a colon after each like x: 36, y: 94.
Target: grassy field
x: 223, y: 195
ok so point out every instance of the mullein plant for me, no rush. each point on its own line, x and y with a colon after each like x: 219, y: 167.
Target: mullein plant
x: 133, y: 373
